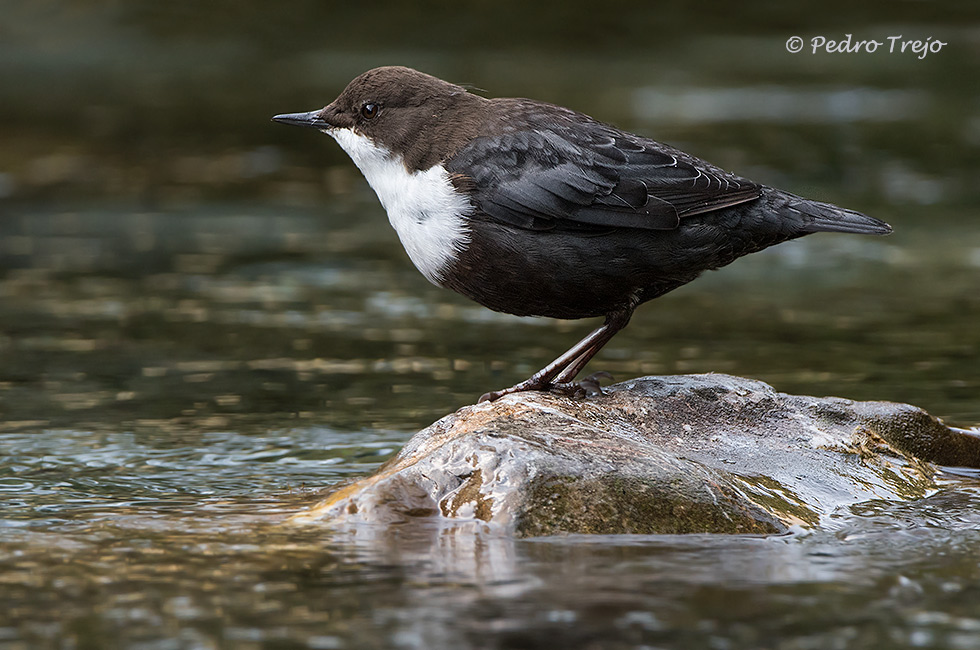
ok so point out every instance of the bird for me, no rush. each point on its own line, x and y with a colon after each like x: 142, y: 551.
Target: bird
x: 534, y: 209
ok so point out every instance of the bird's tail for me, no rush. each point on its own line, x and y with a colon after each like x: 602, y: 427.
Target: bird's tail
x: 825, y: 217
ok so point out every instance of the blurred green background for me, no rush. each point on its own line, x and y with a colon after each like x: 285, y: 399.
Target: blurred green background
x: 170, y: 101
x: 140, y: 177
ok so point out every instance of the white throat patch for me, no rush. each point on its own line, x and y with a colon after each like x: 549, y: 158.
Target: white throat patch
x: 423, y: 207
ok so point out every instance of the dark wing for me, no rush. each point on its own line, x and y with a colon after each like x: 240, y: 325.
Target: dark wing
x: 591, y: 175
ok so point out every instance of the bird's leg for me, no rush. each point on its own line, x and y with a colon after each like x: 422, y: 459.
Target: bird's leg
x: 541, y: 380
x: 560, y: 372
x: 570, y: 371
x: 590, y: 384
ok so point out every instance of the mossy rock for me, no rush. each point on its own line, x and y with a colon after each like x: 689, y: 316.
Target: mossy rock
x: 677, y: 454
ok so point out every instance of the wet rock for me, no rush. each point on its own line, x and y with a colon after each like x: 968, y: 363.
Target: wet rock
x: 677, y: 454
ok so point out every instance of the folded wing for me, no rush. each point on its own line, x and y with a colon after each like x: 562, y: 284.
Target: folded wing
x: 591, y: 176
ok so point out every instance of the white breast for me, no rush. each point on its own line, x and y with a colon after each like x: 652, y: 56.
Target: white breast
x: 424, y: 209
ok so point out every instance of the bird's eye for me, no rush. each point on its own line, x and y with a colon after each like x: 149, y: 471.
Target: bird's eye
x: 370, y: 110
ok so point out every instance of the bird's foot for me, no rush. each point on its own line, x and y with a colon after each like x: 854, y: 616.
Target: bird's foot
x: 586, y: 387
x: 526, y: 385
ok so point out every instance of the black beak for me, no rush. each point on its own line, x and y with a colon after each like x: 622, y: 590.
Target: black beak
x: 312, y: 119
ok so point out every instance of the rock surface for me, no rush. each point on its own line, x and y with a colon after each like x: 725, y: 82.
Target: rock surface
x: 676, y: 454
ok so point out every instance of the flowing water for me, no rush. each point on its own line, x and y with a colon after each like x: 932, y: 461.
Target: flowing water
x: 206, y: 323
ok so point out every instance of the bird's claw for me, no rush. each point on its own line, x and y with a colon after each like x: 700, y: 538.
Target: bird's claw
x: 587, y: 387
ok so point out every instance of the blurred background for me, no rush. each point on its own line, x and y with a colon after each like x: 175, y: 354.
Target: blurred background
x: 205, y: 318
x: 169, y: 252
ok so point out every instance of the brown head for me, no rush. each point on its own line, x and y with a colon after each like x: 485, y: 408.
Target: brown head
x: 404, y: 111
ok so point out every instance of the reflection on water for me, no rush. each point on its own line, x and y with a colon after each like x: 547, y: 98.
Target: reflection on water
x: 239, y: 316
x: 205, y: 324
x: 206, y: 564
x: 777, y: 104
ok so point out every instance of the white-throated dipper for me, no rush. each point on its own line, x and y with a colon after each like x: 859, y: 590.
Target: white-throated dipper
x: 537, y: 210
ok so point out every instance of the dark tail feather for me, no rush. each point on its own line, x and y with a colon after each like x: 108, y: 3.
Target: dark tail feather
x: 824, y: 217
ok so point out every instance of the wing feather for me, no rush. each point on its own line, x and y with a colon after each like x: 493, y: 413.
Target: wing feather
x: 591, y: 175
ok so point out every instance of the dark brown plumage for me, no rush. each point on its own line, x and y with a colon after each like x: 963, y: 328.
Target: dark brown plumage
x: 563, y: 216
